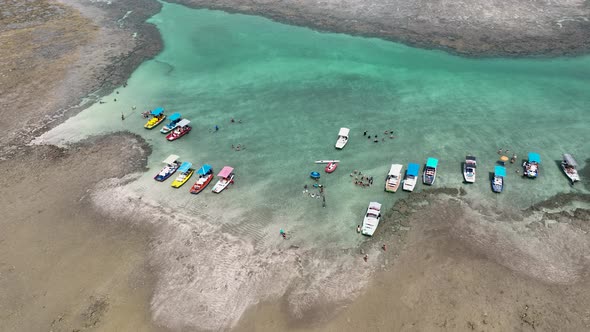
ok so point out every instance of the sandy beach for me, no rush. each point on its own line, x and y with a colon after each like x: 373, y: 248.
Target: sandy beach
x: 65, y: 266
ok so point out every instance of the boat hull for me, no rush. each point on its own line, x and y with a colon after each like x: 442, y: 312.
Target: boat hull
x: 151, y: 124
x: 173, y: 136
x: 222, y: 184
x: 178, y: 183
x: 331, y: 167
x: 409, y: 185
x: 162, y: 178
x: 574, y: 177
x: 530, y: 171
x: 167, y: 129
x: 196, y: 188
x: 497, y: 184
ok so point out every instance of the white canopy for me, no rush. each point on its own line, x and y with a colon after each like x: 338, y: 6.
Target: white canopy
x: 183, y: 122
x: 171, y: 158
x: 344, y: 132
x: 395, y: 169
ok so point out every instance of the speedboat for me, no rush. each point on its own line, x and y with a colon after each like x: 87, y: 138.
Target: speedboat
x: 342, y: 138
x: 157, y: 116
x: 568, y: 165
x: 371, y: 219
x: 185, y: 173
x: 394, y: 177
x: 170, y: 168
x: 531, y: 166
x: 411, y: 177
x: 429, y: 174
x: 469, y: 169
x: 226, y: 177
x: 205, y: 176
x: 174, y: 119
x: 182, y: 128
x: 331, y: 167
x: 498, y: 179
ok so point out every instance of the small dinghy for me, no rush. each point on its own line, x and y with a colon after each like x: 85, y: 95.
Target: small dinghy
x: 371, y: 219
x: 174, y: 119
x: 393, y: 178
x: 331, y: 167
x: 157, y: 116
x: 226, y: 177
x: 185, y: 173
x: 182, y: 129
x: 469, y: 169
x: 531, y: 166
x: 170, y: 168
x: 498, y: 179
x: 411, y: 177
x: 568, y: 165
x: 314, y: 175
x: 205, y: 176
x: 342, y: 138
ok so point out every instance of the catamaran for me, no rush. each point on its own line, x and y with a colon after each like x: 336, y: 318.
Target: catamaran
x: 174, y: 118
x: 170, y: 168
x: 182, y: 129
x: 371, y: 219
x: 157, y: 117
x: 429, y: 174
x: 394, y: 178
x: 342, y: 138
x: 498, y: 179
x: 531, y: 166
x: 411, y: 177
x: 568, y: 165
x: 205, y: 176
x: 226, y: 177
x: 469, y: 169
x: 185, y: 173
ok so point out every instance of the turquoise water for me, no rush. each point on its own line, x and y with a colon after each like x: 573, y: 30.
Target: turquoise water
x: 293, y: 88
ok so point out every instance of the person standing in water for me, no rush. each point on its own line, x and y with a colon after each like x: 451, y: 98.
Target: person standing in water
x: 358, y: 228
x: 216, y: 128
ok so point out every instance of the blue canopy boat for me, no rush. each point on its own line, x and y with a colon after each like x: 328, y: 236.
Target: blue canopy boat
x: 531, y: 166
x: 411, y: 177
x: 429, y: 174
x: 205, y: 176
x: 157, y: 117
x: 498, y: 180
x: 186, y: 172
x: 174, y: 119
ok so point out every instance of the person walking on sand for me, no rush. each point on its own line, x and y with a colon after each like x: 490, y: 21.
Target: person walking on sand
x: 384, y: 247
x: 366, y: 257
x: 122, y: 116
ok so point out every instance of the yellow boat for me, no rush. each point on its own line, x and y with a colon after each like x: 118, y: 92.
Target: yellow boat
x: 157, y: 117
x: 185, y: 173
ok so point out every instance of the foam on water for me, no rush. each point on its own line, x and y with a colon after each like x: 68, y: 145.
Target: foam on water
x: 292, y: 89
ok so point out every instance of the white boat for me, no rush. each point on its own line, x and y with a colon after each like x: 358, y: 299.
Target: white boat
x: 394, y: 178
x: 371, y: 220
x: 411, y: 177
x: 226, y: 177
x: 568, y: 165
x: 469, y: 169
x: 342, y: 138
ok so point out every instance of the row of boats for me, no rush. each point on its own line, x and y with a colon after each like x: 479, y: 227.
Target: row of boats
x: 175, y: 129
x: 186, y: 171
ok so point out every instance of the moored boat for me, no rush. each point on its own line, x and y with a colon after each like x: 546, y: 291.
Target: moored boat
x: 393, y: 178
x: 182, y: 129
x: 205, y: 176
x: 498, y: 179
x: 185, y: 173
x: 531, y: 166
x: 174, y: 118
x: 469, y: 169
x: 157, y: 116
x: 429, y: 175
x: 371, y: 219
x: 331, y: 167
x: 342, y: 138
x: 170, y: 168
x: 568, y: 165
x: 226, y: 177
x: 411, y: 177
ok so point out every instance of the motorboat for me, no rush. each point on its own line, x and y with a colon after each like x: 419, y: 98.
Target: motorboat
x: 371, y: 219
x: 568, y: 165
x: 157, y: 116
x: 170, y: 168
x: 469, y: 169
x: 342, y: 138
x: 411, y: 177
x: 182, y: 129
x: 531, y: 166
x: 498, y: 179
x: 394, y: 178
x: 185, y: 173
x: 205, y: 176
x: 174, y: 118
x: 331, y: 167
x: 429, y: 174
x: 226, y: 177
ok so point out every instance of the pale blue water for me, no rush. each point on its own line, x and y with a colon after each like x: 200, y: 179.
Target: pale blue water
x: 293, y: 88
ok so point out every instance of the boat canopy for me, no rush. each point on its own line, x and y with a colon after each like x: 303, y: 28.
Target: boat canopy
x: 569, y: 159
x: 432, y: 162
x: 413, y: 169
x: 395, y: 169
x: 500, y: 171
x: 204, y: 169
x: 171, y: 158
x: 344, y: 132
x: 185, y: 167
x: 225, y: 171
x: 157, y: 111
x: 183, y: 122
x: 534, y: 157
x: 174, y: 117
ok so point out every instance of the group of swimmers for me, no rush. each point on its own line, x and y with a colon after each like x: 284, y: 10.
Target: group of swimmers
x: 360, y: 178
x: 376, y: 137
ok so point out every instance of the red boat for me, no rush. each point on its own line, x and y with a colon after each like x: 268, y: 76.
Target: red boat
x: 331, y: 167
x: 182, y: 129
x: 205, y: 176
